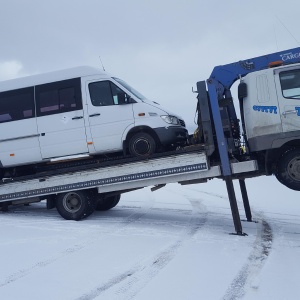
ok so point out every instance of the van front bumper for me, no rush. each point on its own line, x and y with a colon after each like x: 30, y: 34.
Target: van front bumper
x: 171, y: 135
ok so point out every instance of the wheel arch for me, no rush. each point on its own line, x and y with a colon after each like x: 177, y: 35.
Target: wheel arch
x: 288, y: 168
x: 274, y: 154
x: 137, y: 129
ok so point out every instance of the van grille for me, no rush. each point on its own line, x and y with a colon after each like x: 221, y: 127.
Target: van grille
x: 182, y: 123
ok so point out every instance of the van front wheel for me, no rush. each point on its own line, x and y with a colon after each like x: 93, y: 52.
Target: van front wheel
x: 142, y: 145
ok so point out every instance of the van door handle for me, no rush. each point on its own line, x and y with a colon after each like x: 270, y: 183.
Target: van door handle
x: 94, y: 115
x: 77, y: 118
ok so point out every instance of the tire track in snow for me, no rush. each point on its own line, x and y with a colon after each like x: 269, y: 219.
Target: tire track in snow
x: 256, y: 260
x: 71, y: 250
x: 152, y: 267
x: 126, y: 285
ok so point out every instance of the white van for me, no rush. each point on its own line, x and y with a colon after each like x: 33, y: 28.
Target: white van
x: 79, y: 111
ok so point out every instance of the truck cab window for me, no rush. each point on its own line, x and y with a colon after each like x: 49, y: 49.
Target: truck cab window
x: 104, y: 93
x: 16, y: 105
x: 290, y: 84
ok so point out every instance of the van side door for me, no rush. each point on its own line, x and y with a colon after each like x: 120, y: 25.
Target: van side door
x: 110, y: 114
x: 19, y: 142
x: 60, y: 118
x: 288, y: 87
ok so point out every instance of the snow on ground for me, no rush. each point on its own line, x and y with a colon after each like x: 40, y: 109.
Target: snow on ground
x: 174, y: 243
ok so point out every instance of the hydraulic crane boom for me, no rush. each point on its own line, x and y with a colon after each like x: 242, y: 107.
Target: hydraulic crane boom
x: 226, y: 75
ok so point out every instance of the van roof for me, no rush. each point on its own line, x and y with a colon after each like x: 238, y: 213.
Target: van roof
x: 50, y: 77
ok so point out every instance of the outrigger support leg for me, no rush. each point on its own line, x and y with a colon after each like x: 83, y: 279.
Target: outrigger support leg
x: 245, y: 200
x: 234, y: 206
x: 223, y: 150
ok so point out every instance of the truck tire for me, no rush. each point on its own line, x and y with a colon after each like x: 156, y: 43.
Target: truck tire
x: 104, y: 204
x: 75, y: 205
x: 288, y: 169
x: 141, y: 144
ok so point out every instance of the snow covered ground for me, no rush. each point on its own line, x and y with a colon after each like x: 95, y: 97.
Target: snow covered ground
x: 174, y: 243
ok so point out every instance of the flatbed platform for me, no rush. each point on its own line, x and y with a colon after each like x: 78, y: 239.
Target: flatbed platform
x: 182, y: 168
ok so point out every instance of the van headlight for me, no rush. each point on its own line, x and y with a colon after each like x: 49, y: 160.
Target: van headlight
x: 171, y: 120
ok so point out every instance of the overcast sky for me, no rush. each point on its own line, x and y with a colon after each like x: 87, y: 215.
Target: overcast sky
x: 161, y: 47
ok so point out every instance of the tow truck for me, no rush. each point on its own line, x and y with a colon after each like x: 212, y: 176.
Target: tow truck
x: 266, y: 142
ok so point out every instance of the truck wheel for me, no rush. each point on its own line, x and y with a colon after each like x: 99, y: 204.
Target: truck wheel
x: 107, y: 203
x: 142, y: 144
x: 75, y: 205
x: 288, y: 169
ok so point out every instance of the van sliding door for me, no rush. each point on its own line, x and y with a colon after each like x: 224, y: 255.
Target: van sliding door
x: 60, y: 119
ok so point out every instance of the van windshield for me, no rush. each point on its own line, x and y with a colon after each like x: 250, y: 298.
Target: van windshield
x: 129, y: 88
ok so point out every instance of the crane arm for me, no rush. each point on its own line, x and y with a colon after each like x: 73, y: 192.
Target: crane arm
x: 224, y: 76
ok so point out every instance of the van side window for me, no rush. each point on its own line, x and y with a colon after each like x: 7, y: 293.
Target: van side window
x: 290, y: 84
x: 58, y: 97
x: 17, y: 105
x: 104, y: 93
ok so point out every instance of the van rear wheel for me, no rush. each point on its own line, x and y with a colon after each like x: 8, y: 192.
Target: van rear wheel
x: 288, y: 169
x: 142, y: 144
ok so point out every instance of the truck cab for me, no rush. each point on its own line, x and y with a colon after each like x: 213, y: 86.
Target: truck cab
x: 271, y: 107
x: 268, y: 100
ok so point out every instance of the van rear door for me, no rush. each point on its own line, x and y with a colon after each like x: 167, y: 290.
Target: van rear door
x: 60, y: 119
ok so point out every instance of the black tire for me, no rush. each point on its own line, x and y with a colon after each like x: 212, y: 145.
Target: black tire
x: 142, y: 144
x: 288, y: 169
x: 75, y: 205
x: 104, y: 204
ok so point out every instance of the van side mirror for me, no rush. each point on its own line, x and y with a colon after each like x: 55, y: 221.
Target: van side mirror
x: 123, y: 98
x: 130, y: 100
